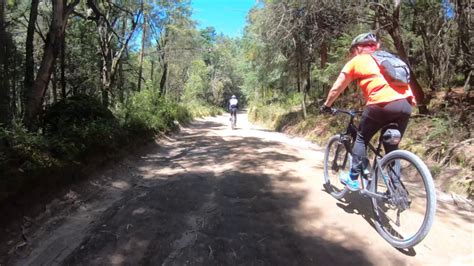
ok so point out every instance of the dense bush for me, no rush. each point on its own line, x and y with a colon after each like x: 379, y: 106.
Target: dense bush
x: 21, y: 153
x: 78, y: 126
x: 76, y: 130
x: 146, y: 110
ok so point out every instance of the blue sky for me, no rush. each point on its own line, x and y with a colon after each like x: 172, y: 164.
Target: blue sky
x: 226, y: 16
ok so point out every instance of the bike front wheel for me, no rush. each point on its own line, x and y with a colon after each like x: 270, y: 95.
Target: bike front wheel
x: 405, y: 215
x: 336, y: 160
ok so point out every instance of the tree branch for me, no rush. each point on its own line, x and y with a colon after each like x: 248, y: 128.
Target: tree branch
x: 77, y: 14
x: 70, y: 8
x: 447, y: 158
x: 40, y: 33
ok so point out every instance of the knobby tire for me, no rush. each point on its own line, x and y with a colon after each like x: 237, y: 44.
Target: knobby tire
x: 382, y: 224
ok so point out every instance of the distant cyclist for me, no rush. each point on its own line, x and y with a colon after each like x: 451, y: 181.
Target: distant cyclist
x: 233, y: 107
x: 387, y: 102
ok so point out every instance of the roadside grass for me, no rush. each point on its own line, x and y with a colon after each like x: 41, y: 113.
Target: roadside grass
x: 200, y: 109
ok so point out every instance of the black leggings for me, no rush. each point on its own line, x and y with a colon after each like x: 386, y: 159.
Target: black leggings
x: 373, y: 119
x: 233, y: 112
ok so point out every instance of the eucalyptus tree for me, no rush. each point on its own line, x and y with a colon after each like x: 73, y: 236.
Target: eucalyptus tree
x: 464, y: 13
x: 435, y: 26
x: 34, y: 97
x: 82, y: 57
x: 269, y: 72
x: 174, y: 34
x: 301, y: 30
x: 224, y: 77
x: 4, y: 89
x: 29, y: 48
x: 387, y: 16
x: 107, y: 16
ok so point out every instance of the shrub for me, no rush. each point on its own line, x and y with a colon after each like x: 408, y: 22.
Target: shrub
x: 80, y: 125
x: 198, y: 108
x: 21, y: 152
x: 147, y: 111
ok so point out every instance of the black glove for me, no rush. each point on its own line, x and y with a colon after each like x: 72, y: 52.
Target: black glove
x: 325, y: 109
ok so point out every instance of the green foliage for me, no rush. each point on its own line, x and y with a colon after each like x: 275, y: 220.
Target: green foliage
x: 440, y: 129
x: 79, y: 128
x: 201, y: 109
x: 80, y: 125
x: 21, y: 152
x: 25, y: 149
x: 324, y: 77
x: 74, y: 112
x: 146, y: 110
x: 266, y: 114
x: 196, y: 87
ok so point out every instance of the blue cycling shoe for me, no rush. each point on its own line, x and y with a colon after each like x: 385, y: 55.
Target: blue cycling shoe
x: 345, y: 179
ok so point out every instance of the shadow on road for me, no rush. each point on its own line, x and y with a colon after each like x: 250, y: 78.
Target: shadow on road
x: 355, y: 203
x: 239, y: 216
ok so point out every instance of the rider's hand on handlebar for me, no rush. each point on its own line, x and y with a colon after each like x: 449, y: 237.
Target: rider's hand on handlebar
x: 325, y: 109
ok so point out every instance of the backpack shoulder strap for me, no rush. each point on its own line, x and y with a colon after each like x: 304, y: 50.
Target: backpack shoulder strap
x: 380, y: 56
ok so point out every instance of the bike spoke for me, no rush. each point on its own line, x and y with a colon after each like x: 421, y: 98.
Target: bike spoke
x: 336, y: 159
x: 402, y: 215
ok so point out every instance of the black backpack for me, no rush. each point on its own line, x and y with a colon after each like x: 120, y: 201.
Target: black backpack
x: 394, y: 69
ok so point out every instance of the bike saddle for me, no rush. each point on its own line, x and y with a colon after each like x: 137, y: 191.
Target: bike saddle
x: 390, y: 134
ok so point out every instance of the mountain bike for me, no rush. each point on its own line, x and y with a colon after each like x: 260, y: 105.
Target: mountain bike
x: 399, y: 184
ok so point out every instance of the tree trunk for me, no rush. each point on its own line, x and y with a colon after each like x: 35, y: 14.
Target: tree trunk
x: 56, y: 31
x: 110, y: 58
x: 29, y: 50
x: 323, y: 53
x: 306, y: 89
x: 63, y: 67
x: 105, y: 76
x: 394, y: 32
x: 13, y: 101
x: 121, y: 76
x: 152, y: 72
x: 121, y: 80
x: 163, y: 79
x: 430, y: 61
x: 54, y: 87
x: 4, y: 88
x: 463, y: 12
x: 142, y: 52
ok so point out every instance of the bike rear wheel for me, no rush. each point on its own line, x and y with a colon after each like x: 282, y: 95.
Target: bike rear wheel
x: 232, y: 122
x: 405, y: 217
x: 336, y: 160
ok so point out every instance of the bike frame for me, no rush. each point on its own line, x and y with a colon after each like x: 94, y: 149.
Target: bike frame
x: 351, y: 130
x: 383, y: 185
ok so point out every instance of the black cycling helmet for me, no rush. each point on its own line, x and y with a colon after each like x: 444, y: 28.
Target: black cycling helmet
x: 364, y: 38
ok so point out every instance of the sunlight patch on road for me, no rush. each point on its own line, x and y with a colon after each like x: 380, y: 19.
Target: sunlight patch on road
x: 139, y: 211
x: 117, y: 259
x: 151, y: 173
x: 120, y: 184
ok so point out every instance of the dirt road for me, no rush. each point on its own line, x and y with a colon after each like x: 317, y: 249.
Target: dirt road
x: 215, y: 196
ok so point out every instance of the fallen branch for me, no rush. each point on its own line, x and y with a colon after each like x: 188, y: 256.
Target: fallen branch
x: 447, y: 158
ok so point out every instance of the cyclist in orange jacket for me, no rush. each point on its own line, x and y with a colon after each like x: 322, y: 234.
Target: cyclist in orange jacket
x: 385, y: 103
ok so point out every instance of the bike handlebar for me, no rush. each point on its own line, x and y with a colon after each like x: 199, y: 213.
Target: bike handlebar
x: 335, y: 111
